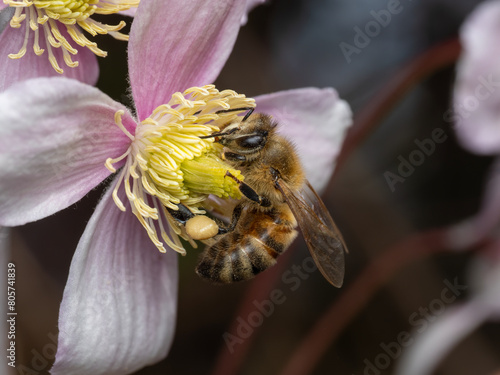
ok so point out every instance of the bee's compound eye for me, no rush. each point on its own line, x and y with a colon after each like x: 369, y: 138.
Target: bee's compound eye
x: 253, y: 141
x: 201, y: 227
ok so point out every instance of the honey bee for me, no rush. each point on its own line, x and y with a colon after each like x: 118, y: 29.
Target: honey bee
x: 277, y: 199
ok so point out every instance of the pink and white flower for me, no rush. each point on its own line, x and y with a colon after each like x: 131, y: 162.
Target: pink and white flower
x: 59, y: 138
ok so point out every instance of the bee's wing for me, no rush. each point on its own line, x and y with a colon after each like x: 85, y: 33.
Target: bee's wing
x: 323, y: 239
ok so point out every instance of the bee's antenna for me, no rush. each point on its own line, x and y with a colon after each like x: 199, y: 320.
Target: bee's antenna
x: 249, y: 109
x: 248, y: 114
x: 220, y: 134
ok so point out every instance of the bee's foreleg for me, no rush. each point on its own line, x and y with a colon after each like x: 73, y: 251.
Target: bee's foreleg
x: 233, y: 156
x: 250, y: 193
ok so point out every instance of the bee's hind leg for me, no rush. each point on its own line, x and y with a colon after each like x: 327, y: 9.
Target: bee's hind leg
x: 182, y: 215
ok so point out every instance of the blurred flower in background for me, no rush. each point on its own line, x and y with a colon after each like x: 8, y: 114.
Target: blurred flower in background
x: 476, y: 115
x: 476, y: 112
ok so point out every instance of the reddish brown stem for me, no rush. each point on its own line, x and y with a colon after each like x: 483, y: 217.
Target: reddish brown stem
x: 438, y: 57
x: 229, y: 362
x: 357, y: 295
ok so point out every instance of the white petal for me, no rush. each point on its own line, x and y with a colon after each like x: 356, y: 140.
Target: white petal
x: 477, y: 95
x: 316, y: 120
x: 119, y: 307
x: 485, y: 278
x: 55, y: 136
x: 250, y: 5
x: 176, y: 46
x: 469, y: 232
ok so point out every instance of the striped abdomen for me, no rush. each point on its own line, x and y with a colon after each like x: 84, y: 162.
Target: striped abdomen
x: 251, y: 248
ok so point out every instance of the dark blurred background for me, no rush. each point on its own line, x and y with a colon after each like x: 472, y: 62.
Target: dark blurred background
x: 297, y: 43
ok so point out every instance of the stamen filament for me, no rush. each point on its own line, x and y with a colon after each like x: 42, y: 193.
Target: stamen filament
x: 117, y: 200
x: 22, y: 51
x: 110, y: 161
x: 118, y: 122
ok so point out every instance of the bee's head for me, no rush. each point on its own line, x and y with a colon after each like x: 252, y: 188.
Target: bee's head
x: 248, y: 137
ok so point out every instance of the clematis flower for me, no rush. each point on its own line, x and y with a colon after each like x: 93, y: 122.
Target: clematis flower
x: 477, y: 108
x: 55, y: 29
x: 59, y: 138
x: 476, y: 115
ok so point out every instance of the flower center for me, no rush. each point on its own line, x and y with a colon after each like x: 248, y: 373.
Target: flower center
x: 67, y: 11
x: 167, y: 163
x: 48, y: 14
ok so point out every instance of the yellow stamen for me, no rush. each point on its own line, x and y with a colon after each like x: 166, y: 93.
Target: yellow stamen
x: 167, y: 163
x: 17, y: 18
x: 68, y: 13
x: 22, y: 51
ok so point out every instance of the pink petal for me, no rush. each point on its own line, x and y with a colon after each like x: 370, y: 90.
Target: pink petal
x: 119, y: 305
x: 5, y: 15
x: 32, y: 66
x: 466, y: 234
x: 438, y: 340
x: 55, y: 136
x: 130, y: 12
x: 178, y: 46
x: 485, y: 278
x: 316, y: 120
x: 477, y: 95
